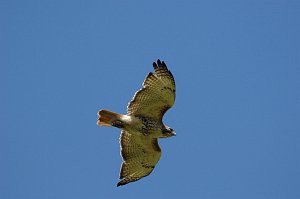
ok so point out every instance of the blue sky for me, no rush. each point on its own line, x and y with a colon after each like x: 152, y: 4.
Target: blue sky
x: 237, y: 69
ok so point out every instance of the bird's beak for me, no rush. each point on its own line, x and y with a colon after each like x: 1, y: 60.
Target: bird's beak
x: 173, y: 133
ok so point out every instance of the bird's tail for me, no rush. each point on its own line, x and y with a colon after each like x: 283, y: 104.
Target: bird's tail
x: 108, y: 118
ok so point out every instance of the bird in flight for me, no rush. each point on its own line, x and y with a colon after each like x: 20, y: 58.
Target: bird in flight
x: 143, y: 125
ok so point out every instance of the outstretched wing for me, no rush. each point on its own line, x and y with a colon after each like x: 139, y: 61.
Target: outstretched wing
x: 140, y: 155
x: 157, y: 94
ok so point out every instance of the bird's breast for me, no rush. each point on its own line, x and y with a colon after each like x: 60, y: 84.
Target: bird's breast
x: 142, y: 125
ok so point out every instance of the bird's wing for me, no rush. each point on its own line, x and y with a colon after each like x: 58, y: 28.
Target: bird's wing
x: 157, y: 94
x: 140, y: 155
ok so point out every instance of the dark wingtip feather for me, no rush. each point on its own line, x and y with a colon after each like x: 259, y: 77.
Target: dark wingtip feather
x: 121, y: 183
x: 158, y: 62
x: 154, y: 65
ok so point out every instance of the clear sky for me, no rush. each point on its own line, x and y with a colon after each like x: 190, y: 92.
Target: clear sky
x: 236, y: 115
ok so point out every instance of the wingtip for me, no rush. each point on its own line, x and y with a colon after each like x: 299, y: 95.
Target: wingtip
x: 154, y: 65
x: 121, y: 183
x: 158, y: 62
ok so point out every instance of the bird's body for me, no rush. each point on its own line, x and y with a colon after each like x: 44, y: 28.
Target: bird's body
x: 137, y: 125
x: 142, y: 126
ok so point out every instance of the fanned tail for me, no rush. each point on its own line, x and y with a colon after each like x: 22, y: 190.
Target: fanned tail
x: 108, y: 118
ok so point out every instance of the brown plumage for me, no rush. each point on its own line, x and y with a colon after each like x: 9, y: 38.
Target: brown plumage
x: 142, y: 126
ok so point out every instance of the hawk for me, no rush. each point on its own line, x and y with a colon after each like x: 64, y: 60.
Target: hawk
x: 143, y: 125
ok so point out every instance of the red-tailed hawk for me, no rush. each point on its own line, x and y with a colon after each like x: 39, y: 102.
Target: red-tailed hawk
x: 142, y: 126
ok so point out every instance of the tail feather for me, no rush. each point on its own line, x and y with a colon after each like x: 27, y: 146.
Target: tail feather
x: 108, y: 118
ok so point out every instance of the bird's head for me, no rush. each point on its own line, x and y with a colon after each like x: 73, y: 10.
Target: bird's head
x: 167, y: 132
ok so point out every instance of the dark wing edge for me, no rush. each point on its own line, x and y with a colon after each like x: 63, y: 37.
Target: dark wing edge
x: 162, y: 71
x: 140, y: 155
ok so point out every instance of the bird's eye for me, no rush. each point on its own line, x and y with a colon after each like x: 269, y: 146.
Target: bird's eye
x: 165, y: 131
x: 171, y: 129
